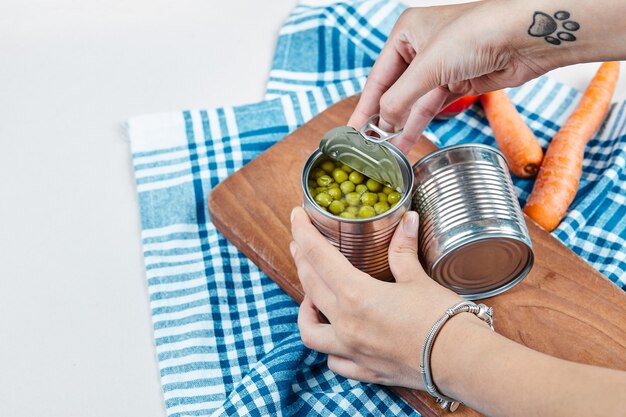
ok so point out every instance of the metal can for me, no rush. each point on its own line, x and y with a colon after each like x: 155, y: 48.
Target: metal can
x: 472, y: 237
x: 365, y: 242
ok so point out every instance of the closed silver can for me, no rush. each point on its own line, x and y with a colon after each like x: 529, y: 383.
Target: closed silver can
x: 365, y: 242
x: 472, y: 237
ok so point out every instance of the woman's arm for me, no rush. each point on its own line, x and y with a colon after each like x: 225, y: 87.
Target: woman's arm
x: 437, y: 54
x: 377, y: 328
x: 499, y: 377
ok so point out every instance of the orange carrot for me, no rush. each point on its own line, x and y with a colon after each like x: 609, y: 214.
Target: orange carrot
x: 557, y: 182
x: 516, y: 141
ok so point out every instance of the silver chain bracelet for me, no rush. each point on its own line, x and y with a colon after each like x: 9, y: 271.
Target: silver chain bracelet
x: 482, y: 312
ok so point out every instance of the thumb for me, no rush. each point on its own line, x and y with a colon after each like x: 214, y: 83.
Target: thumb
x: 405, y: 265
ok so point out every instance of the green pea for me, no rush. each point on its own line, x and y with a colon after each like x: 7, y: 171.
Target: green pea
x: 346, y: 168
x: 361, y: 188
x: 393, y: 197
x: 335, y: 193
x: 366, y: 211
x: 318, y: 172
x: 352, y: 209
x: 324, y: 181
x: 340, y: 175
x: 382, y: 197
x: 353, y: 199
x: 387, y: 190
x: 328, y: 166
x: 333, y: 185
x: 323, y: 199
x: 347, y: 215
x: 321, y: 190
x: 381, y: 207
x: 347, y: 187
x: 374, y: 185
x: 312, y: 192
x: 336, y: 207
x: 369, y: 199
x: 312, y: 183
x: 356, y: 177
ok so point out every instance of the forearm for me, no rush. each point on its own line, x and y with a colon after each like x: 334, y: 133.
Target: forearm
x: 502, y: 378
x: 564, y: 32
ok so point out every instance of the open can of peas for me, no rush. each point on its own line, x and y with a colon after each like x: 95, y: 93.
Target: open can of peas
x: 357, y: 214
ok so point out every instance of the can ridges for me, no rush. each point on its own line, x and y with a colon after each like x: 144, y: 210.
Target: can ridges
x: 487, y: 204
x: 451, y: 149
x: 467, y: 182
x: 465, y: 198
x: 427, y: 238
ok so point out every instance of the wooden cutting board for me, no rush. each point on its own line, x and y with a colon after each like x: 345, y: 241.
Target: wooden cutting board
x: 563, y: 307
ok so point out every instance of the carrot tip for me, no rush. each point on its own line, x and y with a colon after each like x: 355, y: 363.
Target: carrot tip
x: 531, y: 169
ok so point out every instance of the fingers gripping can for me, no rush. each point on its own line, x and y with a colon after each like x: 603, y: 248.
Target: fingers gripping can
x: 472, y: 236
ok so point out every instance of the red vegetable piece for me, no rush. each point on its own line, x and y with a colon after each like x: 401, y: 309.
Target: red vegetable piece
x: 456, y: 107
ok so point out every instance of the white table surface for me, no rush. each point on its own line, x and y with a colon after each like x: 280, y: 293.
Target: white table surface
x: 75, y: 329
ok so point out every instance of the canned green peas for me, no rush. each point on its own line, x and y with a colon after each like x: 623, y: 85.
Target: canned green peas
x: 348, y: 194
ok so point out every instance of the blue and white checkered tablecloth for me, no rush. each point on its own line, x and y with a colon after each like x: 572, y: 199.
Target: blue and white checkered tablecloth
x: 226, y: 336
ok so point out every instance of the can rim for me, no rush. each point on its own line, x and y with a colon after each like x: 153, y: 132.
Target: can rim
x: 447, y: 149
x: 408, y: 193
x: 508, y: 284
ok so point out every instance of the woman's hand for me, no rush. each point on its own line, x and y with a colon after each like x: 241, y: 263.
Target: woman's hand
x: 435, y: 55
x: 376, y: 328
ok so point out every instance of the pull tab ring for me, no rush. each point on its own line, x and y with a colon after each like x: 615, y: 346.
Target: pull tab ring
x: 372, y: 126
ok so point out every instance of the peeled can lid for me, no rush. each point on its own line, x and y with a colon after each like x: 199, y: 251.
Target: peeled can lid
x: 484, y: 268
x: 375, y: 160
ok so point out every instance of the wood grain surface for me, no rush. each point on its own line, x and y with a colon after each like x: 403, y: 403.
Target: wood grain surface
x: 563, y: 307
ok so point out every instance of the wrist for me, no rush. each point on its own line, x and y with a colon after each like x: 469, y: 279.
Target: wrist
x: 460, y: 347
x: 549, y: 35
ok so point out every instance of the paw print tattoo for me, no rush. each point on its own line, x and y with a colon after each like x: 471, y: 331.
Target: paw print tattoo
x: 544, y: 26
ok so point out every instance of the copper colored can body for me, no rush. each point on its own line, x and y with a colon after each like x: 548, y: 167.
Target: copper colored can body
x: 472, y: 237
x: 365, y: 242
